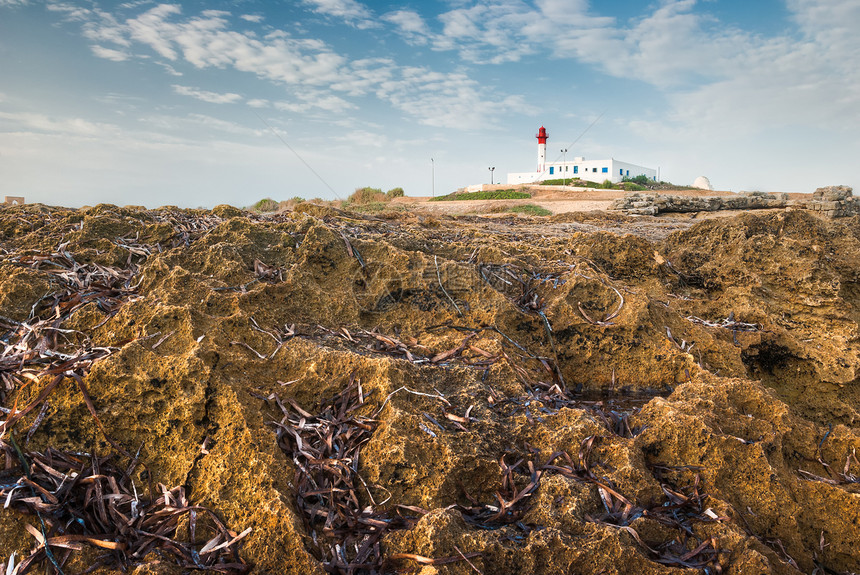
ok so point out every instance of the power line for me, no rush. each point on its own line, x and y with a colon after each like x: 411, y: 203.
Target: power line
x: 603, y: 113
x: 283, y: 141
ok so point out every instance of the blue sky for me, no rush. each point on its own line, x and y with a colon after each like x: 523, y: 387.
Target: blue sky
x: 186, y: 103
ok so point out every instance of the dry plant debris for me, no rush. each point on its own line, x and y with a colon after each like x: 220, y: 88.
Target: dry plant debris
x: 81, y: 498
x: 457, y: 395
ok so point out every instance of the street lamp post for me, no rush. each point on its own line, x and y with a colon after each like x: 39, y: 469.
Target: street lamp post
x: 564, y: 167
x: 491, y: 174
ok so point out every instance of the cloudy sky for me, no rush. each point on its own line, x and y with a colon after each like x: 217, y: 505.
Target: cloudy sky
x: 201, y: 103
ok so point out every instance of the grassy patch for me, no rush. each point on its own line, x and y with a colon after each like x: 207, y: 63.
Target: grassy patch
x: 488, y: 195
x: 529, y: 210
x: 374, y: 208
x: 571, y: 182
x: 632, y: 187
x: 628, y: 185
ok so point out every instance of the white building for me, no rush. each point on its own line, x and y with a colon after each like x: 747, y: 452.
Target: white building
x: 591, y: 170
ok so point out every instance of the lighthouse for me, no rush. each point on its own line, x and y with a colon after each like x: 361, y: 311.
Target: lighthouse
x: 541, y: 138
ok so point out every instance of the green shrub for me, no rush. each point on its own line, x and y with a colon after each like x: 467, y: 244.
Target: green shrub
x: 366, y: 195
x: 510, y: 194
x: 265, y: 205
x: 395, y: 193
x: 641, y: 179
x: 607, y: 185
x: 529, y: 210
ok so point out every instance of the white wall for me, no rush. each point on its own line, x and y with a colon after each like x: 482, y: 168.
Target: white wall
x: 591, y: 170
x: 524, y: 178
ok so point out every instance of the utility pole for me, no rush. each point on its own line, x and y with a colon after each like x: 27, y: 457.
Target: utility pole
x: 491, y: 174
x: 564, y: 166
x: 433, y: 177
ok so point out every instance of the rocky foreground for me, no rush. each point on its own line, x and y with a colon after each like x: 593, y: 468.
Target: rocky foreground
x: 319, y: 391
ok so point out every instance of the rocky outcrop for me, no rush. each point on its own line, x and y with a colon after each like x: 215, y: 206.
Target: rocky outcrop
x: 455, y: 395
x: 637, y: 203
x: 830, y: 201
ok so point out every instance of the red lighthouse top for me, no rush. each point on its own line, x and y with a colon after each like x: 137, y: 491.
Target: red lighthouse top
x: 541, y: 135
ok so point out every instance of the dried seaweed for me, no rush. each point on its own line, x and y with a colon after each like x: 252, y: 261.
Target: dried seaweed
x: 344, y: 535
x: 83, y: 498
x: 728, y: 323
x: 614, y: 412
x: 681, y: 509
x: 326, y: 449
x: 40, y: 346
x: 513, y: 499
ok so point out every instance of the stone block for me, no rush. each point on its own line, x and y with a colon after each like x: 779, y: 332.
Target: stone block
x: 832, y: 193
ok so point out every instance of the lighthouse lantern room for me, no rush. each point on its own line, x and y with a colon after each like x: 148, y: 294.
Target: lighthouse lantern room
x: 541, y: 138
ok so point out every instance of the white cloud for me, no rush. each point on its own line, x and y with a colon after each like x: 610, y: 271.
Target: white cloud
x: 309, y: 101
x: 258, y: 103
x: 169, y: 69
x: 446, y: 100
x: 109, y: 53
x: 13, y: 3
x: 206, y: 96
x: 150, y: 28
x: 103, y: 27
x: 220, y: 125
x: 207, y: 41
x: 351, y: 11
x: 71, y: 12
x: 46, y: 124
x: 716, y: 76
x: 410, y: 25
x: 255, y: 18
x: 507, y: 30
x: 316, y: 78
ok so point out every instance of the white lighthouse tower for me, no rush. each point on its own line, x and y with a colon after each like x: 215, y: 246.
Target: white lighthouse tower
x: 541, y: 138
